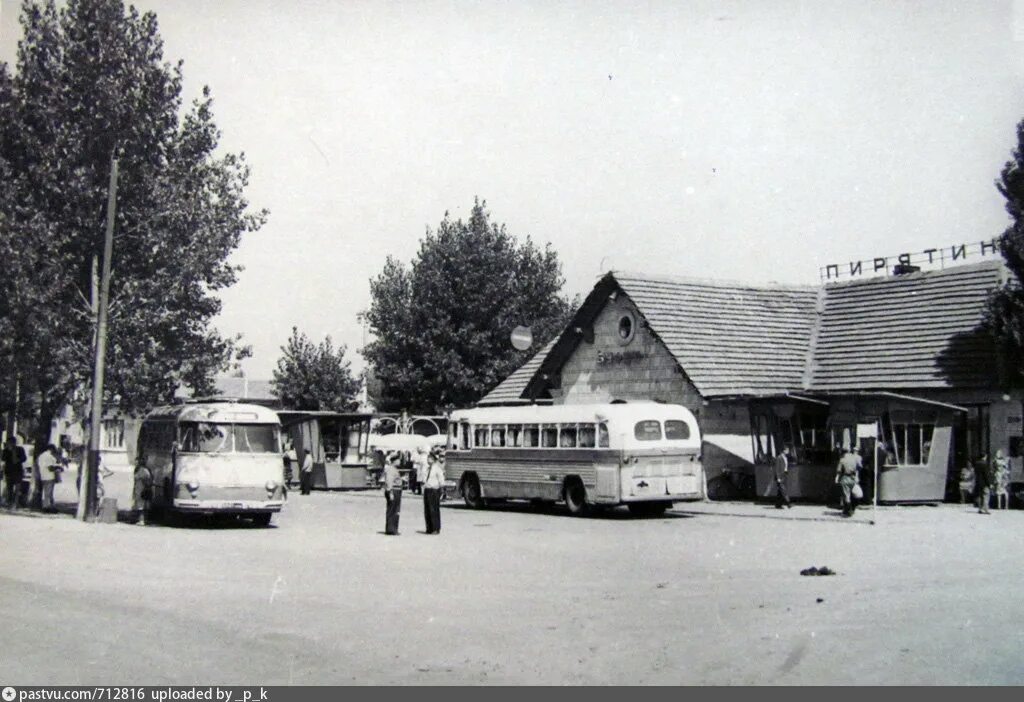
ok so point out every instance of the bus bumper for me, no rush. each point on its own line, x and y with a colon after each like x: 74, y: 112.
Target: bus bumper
x: 227, y: 506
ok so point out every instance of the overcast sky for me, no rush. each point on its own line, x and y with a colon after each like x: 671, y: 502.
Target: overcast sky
x: 741, y: 140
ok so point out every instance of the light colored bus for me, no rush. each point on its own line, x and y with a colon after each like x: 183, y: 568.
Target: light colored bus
x: 644, y: 455
x: 214, y: 458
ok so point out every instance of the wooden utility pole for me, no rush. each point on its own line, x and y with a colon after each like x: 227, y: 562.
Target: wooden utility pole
x: 87, y: 498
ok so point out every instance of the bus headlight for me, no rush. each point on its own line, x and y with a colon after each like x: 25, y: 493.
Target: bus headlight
x: 271, y: 486
x: 193, y: 486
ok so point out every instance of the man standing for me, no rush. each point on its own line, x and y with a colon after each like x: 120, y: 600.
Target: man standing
x: 848, y: 475
x: 781, y: 469
x: 433, y: 483
x: 306, y: 473
x: 14, y: 470
x: 47, y: 462
x: 392, y: 493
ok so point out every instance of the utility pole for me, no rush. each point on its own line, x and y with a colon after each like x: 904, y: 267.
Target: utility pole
x: 87, y: 500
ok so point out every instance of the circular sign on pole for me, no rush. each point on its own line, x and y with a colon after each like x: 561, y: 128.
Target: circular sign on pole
x: 522, y: 338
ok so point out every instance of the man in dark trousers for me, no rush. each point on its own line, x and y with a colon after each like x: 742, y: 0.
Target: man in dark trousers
x: 392, y: 493
x: 433, y: 484
x: 14, y: 459
x: 306, y: 473
x: 781, y: 468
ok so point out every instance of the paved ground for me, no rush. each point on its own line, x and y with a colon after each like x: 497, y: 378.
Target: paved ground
x: 709, y: 594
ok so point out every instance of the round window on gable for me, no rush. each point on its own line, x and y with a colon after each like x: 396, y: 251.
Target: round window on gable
x: 627, y: 328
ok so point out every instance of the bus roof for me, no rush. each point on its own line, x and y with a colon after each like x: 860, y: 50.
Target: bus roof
x: 219, y: 412
x: 631, y: 411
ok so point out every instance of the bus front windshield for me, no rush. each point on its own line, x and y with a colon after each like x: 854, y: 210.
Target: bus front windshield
x: 207, y: 437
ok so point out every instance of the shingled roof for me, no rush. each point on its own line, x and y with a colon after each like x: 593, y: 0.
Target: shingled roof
x: 921, y: 330
x: 729, y: 338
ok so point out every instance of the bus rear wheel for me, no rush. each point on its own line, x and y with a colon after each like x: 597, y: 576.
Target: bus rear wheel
x: 576, y: 497
x: 471, y: 492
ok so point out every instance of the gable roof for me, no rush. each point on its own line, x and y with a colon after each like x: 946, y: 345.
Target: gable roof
x: 729, y: 338
x: 920, y: 330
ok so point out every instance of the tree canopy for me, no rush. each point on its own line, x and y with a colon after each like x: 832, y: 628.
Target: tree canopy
x: 1006, y: 305
x: 441, y: 326
x: 90, y: 84
x: 317, y: 377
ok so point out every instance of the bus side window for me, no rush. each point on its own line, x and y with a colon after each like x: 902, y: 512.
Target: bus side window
x: 549, y: 436
x: 588, y: 437
x: 567, y: 436
x: 602, y: 435
x: 483, y: 432
x: 498, y: 436
x: 515, y: 435
x: 531, y: 436
x: 464, y: 436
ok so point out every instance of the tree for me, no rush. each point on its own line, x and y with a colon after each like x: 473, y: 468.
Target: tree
x: 311, y: 377
x: 1006, y: 305
x: 91, y: 84
x: 442, y: 325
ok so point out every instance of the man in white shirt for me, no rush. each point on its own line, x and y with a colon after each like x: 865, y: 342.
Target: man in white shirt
x: 433, y: 484
x: 47, y: 462
x: 306, y: 473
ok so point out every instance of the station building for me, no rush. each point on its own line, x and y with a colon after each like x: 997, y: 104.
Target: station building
x: 900, y: 366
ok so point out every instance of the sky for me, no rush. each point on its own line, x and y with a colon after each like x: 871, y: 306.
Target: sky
x: 744, y: 141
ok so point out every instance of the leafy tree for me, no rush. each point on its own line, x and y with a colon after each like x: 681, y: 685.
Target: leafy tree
x: 311, y: 377
x: 91, y: 83
x: 1006, y: 305
x: 442, y: 325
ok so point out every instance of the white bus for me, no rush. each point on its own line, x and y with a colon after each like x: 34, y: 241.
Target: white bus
x: 214, y: 458
x: 644, y: 455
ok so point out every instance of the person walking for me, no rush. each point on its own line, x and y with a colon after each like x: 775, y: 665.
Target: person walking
x: 433, y: 484
x: 392, y: 493
x: 290, y: 461
x: 848, y: 475
x: 780, y: 467
x: 142, y: 493
x: 48, y: 464
x: 306, y: 473
x: 14, y: 471
x: 983, y: 480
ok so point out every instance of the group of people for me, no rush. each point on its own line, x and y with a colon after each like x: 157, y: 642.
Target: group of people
x: 985, y: 479
x: 47, y: 466
x: 430, y: 471
x: 847, y: 477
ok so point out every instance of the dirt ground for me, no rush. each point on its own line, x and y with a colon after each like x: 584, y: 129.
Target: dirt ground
x: 709, y: 594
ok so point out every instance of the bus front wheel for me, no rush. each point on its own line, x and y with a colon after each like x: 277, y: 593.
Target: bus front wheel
x: 471, y: 492
x: 576, y: 497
